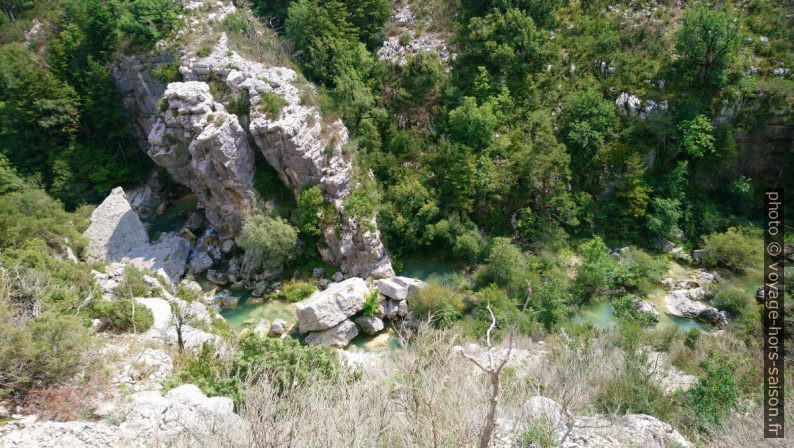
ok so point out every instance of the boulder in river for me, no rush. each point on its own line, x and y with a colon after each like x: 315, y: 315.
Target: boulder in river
x: 398, y: 288
x: 326, y: 309
x: 369, y: 324
x: 337, y: 336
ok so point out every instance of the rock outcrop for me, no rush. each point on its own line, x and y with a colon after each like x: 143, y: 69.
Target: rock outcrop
x: 116, y: 234
x: 406, y: 40
x: 204, y: 148
x: 685, y: 299
x: 183, y: 417
x: 204, y: 145
x: 337, y: 336
x: 115, y: 229
x: 326, y: 309
x: 591, y: 431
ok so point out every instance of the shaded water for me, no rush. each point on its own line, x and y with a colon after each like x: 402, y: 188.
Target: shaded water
x: 174, y: 216
x: 602, y: 316
x: 429, y: 268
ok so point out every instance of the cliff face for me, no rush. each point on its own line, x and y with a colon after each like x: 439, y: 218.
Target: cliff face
x: 203, y: 141
x: 205, y: 148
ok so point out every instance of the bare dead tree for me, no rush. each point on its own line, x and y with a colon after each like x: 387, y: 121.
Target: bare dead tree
x: 493, y: 368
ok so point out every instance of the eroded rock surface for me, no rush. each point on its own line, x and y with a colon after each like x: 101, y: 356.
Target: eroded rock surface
x: 326, y: 309
x: 183, y: 417
x: 115, y: 229
x: 116, y: 234
x: 204, y: 148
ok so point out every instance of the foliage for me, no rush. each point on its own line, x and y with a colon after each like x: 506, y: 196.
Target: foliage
x: 310, y: 205
x: 731, y: 249
x: 505, y: 267
x: 371, y: 307
x: 295, y: 290
x: 640, y: 272
x: 595, y: 275
x: 471, y: 124
x: 271, y: 104
x: 715, y: 393
x: 285, y: 362
x: 707, y: 41
x: 698, y: 137
x: 147, y: 21
x: 273, y: 238
x: 119, y: 316
x: 506, y: 43
x: 44, y: 350
x: 326, y: 39
x: 444, y: 305
x: 626, y: 309
x: 733, y: 300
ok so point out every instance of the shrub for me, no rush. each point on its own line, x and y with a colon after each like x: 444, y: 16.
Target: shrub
x: 43, y: 351
x: 133, y: 284
x: 467, y: 246
x: 273, y: 238
x: 296, y: 290
x: 715, y: 394
x: 442, y: 304
x: 733, y: 300
x: 640, y: 272
x: 310, y: 205
x: 147, y: 21
x: 595, y: 275
x: 371, y: 307
x: 731, y: 249
x: 626, y: 308
x: 505, y: 266
x: 167, y: 73
x: 271, y: 104
x: 118, y: 315
x: 285, y: 362
x: 692, y: 337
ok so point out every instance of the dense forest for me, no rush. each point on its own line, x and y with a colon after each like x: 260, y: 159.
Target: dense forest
x: 563, y: 153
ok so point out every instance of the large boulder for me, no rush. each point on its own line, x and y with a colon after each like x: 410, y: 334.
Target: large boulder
x: 398, y: 288
x: 369, y: 324
x: 148, y: 200
x: 325, y: 309
x: 115, y: 229
x: 166, y: 256
x: 337, y: 336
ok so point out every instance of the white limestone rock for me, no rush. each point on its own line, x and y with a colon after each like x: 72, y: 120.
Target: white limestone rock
x: 204, y: 148
x: 166, y: 256
x: 398, y: 288
x: 337, y: 336
x: 326, y: 309
x: 115, y: 229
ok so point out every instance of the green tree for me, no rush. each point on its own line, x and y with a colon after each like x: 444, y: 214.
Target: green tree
x: 147, y: 21
x: 663, y: 217
x: 634, y: 192
x: 715, y: 393
x: 471, y: 124
x: 543, y: 168
x: 326, y: 41
x: 506, y: 267
x: 594, y: 277
x: 698, y: 136
x: 707, y: 42
x: 456, y: 177
x: 506, y: 43
x: 310, y: 206
x: 272, y: 239
x: 369, y: 16
x: 586, y: 123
